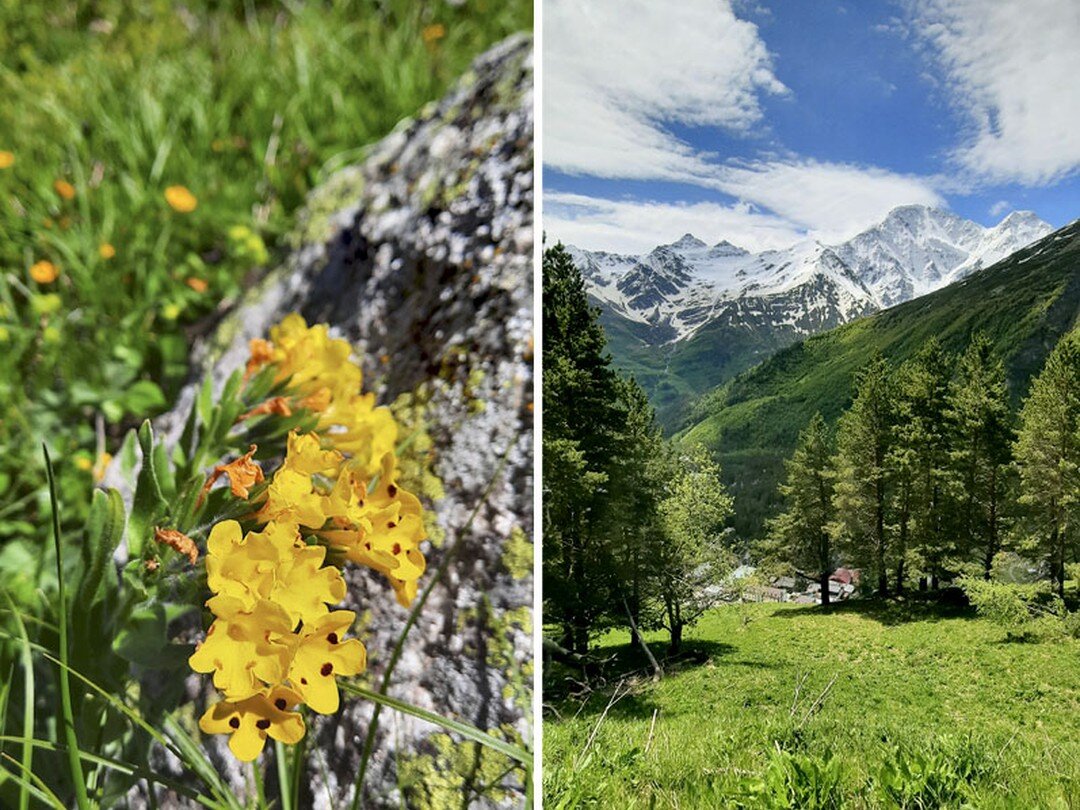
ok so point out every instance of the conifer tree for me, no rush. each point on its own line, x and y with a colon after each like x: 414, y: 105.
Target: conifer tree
x: 801, y: 531
x: 1048, y: 456
x: 980, y: 450
x: 864, y: 438
x: 582, y: 416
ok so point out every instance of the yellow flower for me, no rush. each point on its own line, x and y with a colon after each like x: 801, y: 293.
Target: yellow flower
x: 262, y: 352
x: 106, y: 251
x: 44, y: 272
x: 170, y: 312
x: 101, y: 465
x: 7, y: 160
x: 291, y: 498
x: 84, y: 463
x: 180, y: 199
x: 239, y: 568
x: 64, y: 189
x: 251, y: 721
x: 304, y: 454
x: 246, y: 649
x: 433, y: 33
x: 321, y: 655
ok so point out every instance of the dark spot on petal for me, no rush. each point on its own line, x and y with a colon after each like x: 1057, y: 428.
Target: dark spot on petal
x: 390, y: 524
x: 397, y: 549
x: 263, y: 724
x: 391, y: 490
x: 234, y: 722
x: 327, y: 668
x: 367, y: 546
x: 332, y: 638
x: 281, y: 704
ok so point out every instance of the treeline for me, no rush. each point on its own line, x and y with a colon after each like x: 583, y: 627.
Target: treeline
x: 633, y: 527
x: 930, y: 474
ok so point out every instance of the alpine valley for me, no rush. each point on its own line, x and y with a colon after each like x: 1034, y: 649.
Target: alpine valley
x: 687, y: 316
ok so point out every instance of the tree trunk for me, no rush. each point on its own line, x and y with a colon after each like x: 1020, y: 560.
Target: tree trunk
x: 879, y: 538
x: 637, y: 638
x: 676, y: 638
x: 824, y: 581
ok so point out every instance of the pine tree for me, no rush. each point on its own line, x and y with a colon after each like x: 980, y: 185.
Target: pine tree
x: 1048, y: 455
x: 864, y: 438
x: 694, y: 554
x: 919, y: 460
x: 801, y: 532
x: 582, y: 416
x: 981, y: 450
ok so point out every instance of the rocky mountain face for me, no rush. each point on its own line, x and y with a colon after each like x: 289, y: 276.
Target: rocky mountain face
x: 680, y: 287
x: 688, y: 316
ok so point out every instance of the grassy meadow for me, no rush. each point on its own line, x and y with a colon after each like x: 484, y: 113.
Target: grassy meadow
x: 872, y: 704
x: 240, y: 108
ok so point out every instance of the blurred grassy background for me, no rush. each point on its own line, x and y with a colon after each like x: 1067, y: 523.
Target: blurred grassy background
x: 105, y: 105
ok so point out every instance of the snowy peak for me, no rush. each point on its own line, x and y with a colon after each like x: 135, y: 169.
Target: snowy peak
x: 914, y: 250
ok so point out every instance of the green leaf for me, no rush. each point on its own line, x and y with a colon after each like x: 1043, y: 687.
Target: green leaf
x: 149, y: 502
x: 143, y: 397
x: 144, y: 638
x: 103, y: 532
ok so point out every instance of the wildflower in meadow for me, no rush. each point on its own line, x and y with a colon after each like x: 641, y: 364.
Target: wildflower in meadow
x: 197, y: 284
x: 101, y: 466
x: 106, y: 251
x: 180, y: 199
x: 44, y: 272
x: 433, y: 33
x: 7, y: 160
x: 64, y: 189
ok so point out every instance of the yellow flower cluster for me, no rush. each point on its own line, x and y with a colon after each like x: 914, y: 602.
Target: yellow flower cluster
x: 275, y: 641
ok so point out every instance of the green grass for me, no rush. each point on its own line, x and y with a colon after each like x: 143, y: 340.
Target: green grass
x: 911, y: 682
x: 247, y: 103
x: 1024, y: 304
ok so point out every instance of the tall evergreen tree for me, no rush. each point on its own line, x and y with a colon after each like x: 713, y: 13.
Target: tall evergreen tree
x: 864, y: 438
x: 980, y: 450
x: 1048, y: 455
x: 582, y: 416
x: 801, y: 531
x: 919, y: 459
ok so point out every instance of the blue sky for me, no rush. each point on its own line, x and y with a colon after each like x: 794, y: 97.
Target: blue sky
x: 766, y: 121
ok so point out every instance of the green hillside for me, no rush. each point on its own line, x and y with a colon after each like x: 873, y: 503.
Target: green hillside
x: 1024, y: 303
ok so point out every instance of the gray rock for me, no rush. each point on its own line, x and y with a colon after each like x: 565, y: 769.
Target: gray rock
x: 422, y: 257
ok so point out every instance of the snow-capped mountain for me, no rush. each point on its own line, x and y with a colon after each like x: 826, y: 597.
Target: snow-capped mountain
x: 681, y: 287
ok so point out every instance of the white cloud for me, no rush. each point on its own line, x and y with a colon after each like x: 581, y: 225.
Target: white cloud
x: 1011, y: 68
x: 999, y: 208
x: 830, y: 200
x: 616, y: 72
x: 776, y: 204
x: 627, y: 226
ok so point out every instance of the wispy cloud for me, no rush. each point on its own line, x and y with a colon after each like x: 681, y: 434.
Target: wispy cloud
x: 616, y: 79
x: 1011, y: 69
x: 629, y: 226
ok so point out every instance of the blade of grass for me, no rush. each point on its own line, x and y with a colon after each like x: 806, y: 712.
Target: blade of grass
x: 284, y: 781
x: 464, y: 729
x: 31, y: 782
x: 298, y: 770
x: 120, y: 767
x: 74, y: 765
x: 414, y: 615
x: 28, y: 700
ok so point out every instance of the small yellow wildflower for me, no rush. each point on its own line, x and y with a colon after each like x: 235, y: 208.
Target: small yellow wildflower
x: 180, y: 199
x: 106, y: 251
x: 7, y: 160
x: 44, y: 272
x: 84, y: 463
x: 433, y: 33
x: 64, y: 189
x: 197, y: 284
x: 251, y: 721
x: 170, y: 312
x: 322, y: 655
